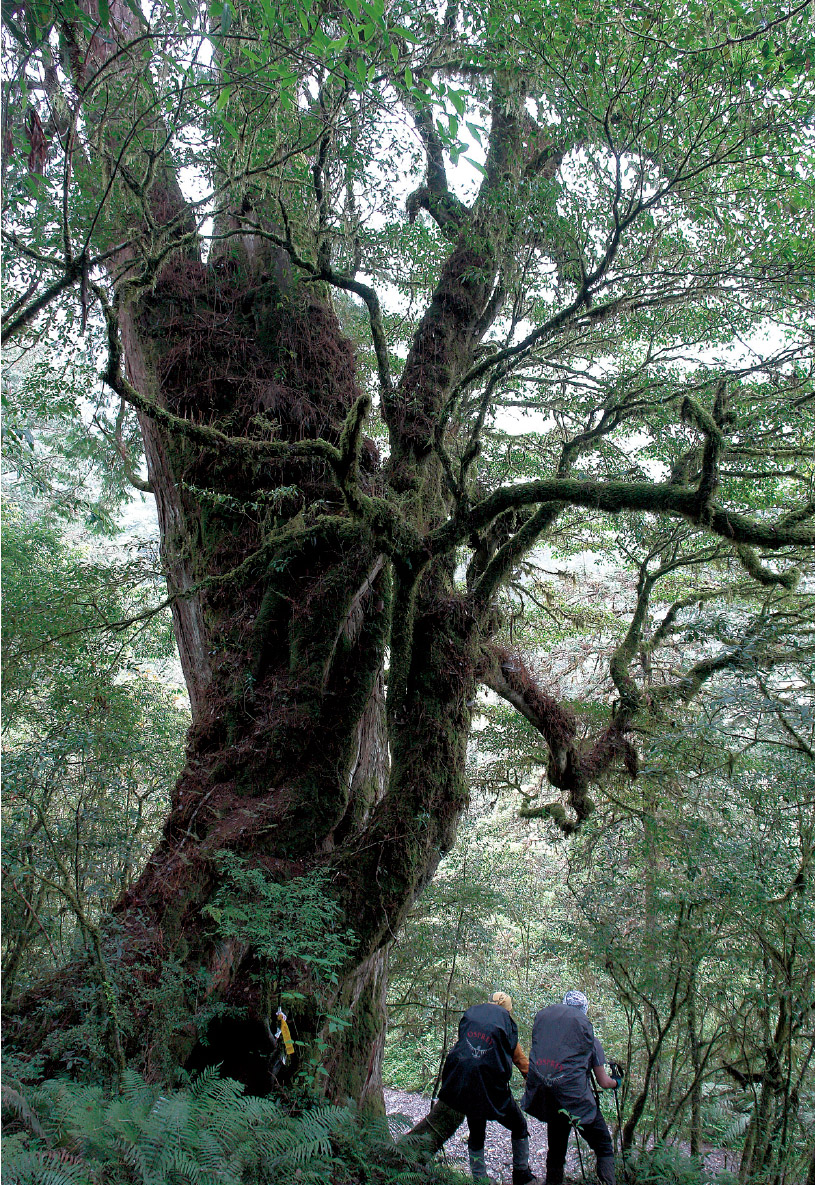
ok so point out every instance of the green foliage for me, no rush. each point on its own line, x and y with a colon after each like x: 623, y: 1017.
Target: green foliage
x: 91, y: 735
x: 58, y: 426
x: 683, y: 908
x: 207, y: 1132
x: 293, y: 927
x: 490, y: 920
x: 290, y: 921
x: 412, y: 1058
x: 651, y: 304
x: 62, y: 591
x: 670, y: 1166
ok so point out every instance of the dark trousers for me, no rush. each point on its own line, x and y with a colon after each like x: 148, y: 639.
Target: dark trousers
x: 596, y: 1134
x: 513, y: 1118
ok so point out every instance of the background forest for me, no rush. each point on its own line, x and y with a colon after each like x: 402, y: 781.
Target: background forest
x: 465, y: 353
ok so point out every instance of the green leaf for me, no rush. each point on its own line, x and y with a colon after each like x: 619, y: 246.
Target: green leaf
x: 457, y: 99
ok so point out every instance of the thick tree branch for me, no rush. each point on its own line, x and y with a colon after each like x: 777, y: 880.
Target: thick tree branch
x: 764, y: 575
x: 613, y: 497
x: 506, y: 675
x: 448, y: 211
x: 629, y: 692
x: 573, y: 766
x: 512, y: 552
x: 446, y: 337
x: 73, y: 273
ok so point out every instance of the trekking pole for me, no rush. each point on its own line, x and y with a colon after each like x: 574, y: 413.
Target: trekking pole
x: 616, y: 1071
x: 579, y: 1153
x: 620, y: 1131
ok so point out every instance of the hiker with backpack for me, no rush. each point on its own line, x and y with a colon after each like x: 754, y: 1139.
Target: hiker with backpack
x: 475, y: 1081
x: 559, y: 1091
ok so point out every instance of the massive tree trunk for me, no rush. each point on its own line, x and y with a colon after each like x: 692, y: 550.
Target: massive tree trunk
x: 289, y: 596
x: 283, y: 607
x: 282, y: 644
x: 282, y: 629
x: 292, y: 588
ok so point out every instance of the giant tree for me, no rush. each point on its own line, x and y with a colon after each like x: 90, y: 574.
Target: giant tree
x: 258, y: 204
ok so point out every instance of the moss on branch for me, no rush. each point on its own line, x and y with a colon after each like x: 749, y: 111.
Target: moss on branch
x: 764, y: 575
x: 614, y: 497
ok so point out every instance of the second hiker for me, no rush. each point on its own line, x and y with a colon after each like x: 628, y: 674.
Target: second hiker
x: 558, y: 1087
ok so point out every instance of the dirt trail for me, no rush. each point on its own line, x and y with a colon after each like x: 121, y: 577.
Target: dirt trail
x: 498, y: 1145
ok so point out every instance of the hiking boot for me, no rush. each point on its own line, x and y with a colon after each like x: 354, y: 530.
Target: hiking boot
x: 521, y: 1172
x: 524, y: 1177
x: 478, y: 1166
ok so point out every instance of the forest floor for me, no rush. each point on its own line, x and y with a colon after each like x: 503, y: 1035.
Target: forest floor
x: 498, y: 1145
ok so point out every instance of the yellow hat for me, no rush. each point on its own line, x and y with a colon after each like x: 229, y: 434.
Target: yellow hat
x: 503, y: 999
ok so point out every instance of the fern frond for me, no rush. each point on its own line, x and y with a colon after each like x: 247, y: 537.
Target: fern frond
x: 14, y: 1100
x: 26, y: 1167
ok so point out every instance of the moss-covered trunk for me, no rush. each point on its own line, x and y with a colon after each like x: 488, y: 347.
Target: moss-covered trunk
x: 295, y: 769
x: 282, y: 628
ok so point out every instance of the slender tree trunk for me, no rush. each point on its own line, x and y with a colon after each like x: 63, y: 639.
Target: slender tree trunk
x: 696, y: 1064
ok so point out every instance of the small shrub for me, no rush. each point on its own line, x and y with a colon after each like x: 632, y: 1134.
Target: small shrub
x: 664, y: 1165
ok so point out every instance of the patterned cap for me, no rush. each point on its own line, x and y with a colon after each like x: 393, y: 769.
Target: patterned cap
x: 503, y: 999
x: 576, y: 1000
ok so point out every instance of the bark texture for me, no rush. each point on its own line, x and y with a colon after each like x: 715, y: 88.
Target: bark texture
x: 284, y: 609
x: 281, y: 624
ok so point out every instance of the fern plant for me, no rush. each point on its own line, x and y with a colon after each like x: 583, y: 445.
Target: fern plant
x: 206, y: 1132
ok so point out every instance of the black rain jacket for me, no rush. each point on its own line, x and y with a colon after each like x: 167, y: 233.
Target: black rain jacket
x: 478, y: 1068
x: 560, y: 1059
